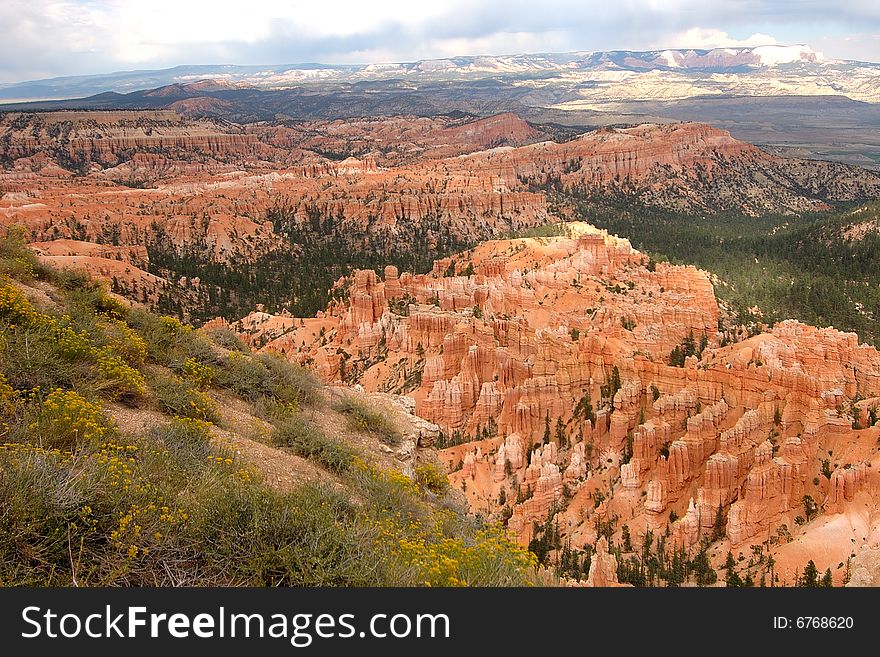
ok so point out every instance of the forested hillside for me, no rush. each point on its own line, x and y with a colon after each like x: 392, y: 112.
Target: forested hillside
x: 822, y: 269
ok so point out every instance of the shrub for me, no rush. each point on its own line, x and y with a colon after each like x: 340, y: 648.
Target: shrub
x: 169, y: 341
x: 389, y: 492
x: 227, y: 338
x: 67, y: 421
x: 187, y: 440
x: 118, y: 379
x: 307, y: 440
x: 16, y: 260
x: 14, y: 307
x: 288, y: 382
x: 8, y: 406
x: 308, y: 537
x: 489, y: 559
x: 266, y: 375
x: 274, y: 411
x: 123, y: 340
x: 199, y: 374
x: 363, y: 418
x: 32, y: 358
x: 85, y: 297
x: 244, y: 376
x: 178, y: 397
x: 73, y: 345
x: 431, y: 477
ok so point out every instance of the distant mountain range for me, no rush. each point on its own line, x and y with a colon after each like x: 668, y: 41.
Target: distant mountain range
x: 782, y: 60
x: 788, y: 99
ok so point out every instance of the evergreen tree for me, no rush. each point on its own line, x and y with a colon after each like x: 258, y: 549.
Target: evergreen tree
x: 811, y: 509
x: 689, y: 345
x: 702, y: 569
x: 810, y: 578
x: 547, y: 428
x: 560, y: 433
x: 827, y: 579
x: 584, y: 409
x: 718, y: 526
x: 615, y: 382
x: 626, y: 538
x: 732, y: 579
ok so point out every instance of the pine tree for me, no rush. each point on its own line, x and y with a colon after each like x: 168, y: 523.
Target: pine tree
x: 615, y: 382
x: 733, y: 579
x: 718, y: 527
x: 690, y: 345
x: 547, y: 428
x: 810, y: 578
x: 584, y: 409
x: 702, y: 568
x: 827, y: 579
x: 560, y: 433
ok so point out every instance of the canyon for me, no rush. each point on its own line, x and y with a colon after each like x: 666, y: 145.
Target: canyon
x: 546, y: 363
x: 232, y: 206
x: 578, y: 386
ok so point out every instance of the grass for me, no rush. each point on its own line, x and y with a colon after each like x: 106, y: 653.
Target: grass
x: 227, y: 338
x: 266, y: 375
x: 362, y: 417
x: 307, y: 440
x: 187, y: 441
x: 171, y: 342
x: 179, y: 397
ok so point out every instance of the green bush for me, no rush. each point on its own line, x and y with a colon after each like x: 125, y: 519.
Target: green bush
x: 116, y: 378
x: 289, y: 382
x: 31, y: 357
x: 170, y: 342
x: 179, y: 397
x: 16, y: 260
x: 227, y: 338
x: 266, y: 375
x: 274, y: 411
x: 65, y: 420
x: 307, y: 440
x: 363, y: 418
x: 431, y: 477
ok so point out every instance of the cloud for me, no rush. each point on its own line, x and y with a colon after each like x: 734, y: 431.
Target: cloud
x: 865, y: 47
x: 707, y: 38
x: 41, y: 38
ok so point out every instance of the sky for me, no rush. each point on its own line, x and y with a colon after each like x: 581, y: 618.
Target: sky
x: 47, y: 38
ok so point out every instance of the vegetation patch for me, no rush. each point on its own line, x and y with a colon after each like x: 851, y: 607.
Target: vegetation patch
x: 307, y: 440
x: 362, y: 417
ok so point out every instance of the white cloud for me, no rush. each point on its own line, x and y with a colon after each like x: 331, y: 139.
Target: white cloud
x: 708, y: 38
x: 39, y: 38
x: 864, y: 47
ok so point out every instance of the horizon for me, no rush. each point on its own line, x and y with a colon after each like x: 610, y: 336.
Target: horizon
x: 329, y: 64
x: 44, y: 39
